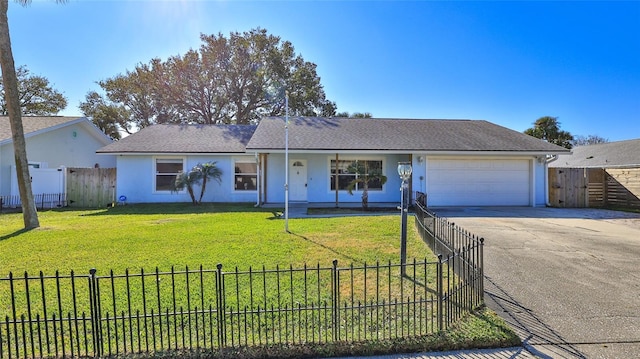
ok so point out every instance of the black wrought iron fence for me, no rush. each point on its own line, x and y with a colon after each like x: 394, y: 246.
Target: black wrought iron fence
x: 98, y: 315
x: 42, y: 201
x: 105, y: 314
x: 461, y: 251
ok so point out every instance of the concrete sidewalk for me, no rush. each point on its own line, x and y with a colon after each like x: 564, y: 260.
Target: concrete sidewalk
x: 511, y: 353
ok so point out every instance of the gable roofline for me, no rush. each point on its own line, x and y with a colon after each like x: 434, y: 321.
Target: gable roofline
x: 183, y: 139
x: 617, y: 154
x: 61, y: 122
x: 418, y: 152
x: 315, y: 134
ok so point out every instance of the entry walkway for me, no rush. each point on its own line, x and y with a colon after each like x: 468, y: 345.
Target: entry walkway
x: 301, y: 209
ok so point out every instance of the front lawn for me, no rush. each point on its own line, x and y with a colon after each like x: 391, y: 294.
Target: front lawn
x: 136, y: 238
x: 149, y: 236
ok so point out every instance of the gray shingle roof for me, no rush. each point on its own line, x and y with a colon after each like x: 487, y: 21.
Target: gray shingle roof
x: 611, y: 154
x: 312, y: 133
x: 32, y: 124
x: 184, y: 139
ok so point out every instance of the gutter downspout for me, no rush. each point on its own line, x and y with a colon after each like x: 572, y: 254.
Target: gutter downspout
x: 258, y: 179
x: 546, y: 178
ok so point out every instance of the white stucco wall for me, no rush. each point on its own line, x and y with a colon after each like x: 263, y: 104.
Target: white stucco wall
x: 57, y: 148
x: 540, y: 176
x: 135, y: 180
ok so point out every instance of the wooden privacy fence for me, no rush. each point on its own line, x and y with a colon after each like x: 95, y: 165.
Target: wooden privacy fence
x: 90, y: 187
x: 594, y: 187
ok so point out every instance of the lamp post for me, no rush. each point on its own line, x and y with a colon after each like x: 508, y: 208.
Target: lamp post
x: 404, y: 170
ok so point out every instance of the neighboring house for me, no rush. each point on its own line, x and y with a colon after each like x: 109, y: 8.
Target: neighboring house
x: 456, y: 162
x: 602, y: 155
x: 600, y: 175
x: 52, y: 142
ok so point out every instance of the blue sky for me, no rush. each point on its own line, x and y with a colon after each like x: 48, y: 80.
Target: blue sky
x: 506, y: 62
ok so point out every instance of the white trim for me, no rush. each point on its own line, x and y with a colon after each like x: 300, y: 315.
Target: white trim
x: 408, y: 152
x: 175, y: 153
x: 532, y: 182
x: 155, y: 172
x: 233, y: 176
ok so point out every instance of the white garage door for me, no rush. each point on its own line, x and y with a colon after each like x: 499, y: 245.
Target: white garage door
x: 478, y: 182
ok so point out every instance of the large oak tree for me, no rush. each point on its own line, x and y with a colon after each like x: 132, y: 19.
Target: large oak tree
x: 36, y: 96
x: 228, y: 80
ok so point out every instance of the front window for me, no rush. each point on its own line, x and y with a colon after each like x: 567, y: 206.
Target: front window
x: 166, y: 171
x: 345, y: 170
x: 246, y: 176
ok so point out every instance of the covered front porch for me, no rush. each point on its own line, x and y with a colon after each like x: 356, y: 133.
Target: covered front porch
x: 321, y: 180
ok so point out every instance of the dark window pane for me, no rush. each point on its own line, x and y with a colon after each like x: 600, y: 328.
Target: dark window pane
x: 344, y: 180
x: 373, y: 166
x: 165, y: 182
x: 375, y: 185
x: 245, y: 167
x: 246, y: 182
x: 345, y: 176
x: 163, y: 167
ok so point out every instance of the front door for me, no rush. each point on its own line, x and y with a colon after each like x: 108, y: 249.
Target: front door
x: 298, y: 180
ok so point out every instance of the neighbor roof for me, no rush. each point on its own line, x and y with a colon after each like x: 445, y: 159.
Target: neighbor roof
x: 313, y: 133
x: 35, y: 124
x: 611, y: 154
x: 184, y: 139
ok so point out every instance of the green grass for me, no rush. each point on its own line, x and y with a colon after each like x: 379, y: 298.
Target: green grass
x: 161, y: 237
x: 180, y: 236
x: 479, y: 330
x: 149, y: 236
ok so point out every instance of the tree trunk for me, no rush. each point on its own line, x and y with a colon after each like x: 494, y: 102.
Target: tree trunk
x: 12, y: 99
x: 191, y: 194
x: 202, y: 189
x: 365, y: 193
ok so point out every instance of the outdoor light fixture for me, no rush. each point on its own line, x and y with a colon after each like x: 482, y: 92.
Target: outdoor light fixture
x: 404, y: 170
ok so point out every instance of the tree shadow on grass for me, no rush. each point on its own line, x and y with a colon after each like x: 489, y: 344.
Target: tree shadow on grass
x: 417, y: 282
x: 176, y: 208
x: 14, y: 234
x: 352, y: 259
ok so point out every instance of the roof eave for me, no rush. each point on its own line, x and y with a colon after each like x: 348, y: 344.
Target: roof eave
x: 404, y: 151
x: 157, y: 153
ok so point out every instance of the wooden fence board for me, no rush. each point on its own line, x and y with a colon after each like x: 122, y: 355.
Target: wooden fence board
x: 568, y: 187
x: 594, y: 187
x: 623, y: 187
x: 90, y: 187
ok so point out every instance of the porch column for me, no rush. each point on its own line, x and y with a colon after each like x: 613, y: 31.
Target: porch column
x: 336, y: 180
x: 411, y: 181
x: 263, y: 180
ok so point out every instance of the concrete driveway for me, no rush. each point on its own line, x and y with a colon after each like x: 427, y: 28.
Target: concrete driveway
x: 567, y: 280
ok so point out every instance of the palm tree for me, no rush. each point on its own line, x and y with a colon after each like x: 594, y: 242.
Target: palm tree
x: 187, y: 180
x: 548, y: 129
x: 12, y: 99
x: 208, y: 170
x: 364, y: 176
x: 201, y: 172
